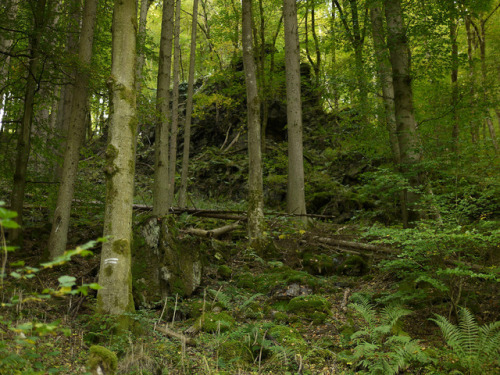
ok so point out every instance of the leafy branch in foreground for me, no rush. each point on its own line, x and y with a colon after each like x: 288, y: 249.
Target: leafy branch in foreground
x: 476, y: 347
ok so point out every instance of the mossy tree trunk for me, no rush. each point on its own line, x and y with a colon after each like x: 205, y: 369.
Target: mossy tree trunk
x: 160, y: 184
x: 115, y: 275
x: 296, y: 203
x: 409, y: 147
x: 255, y: 188
x: 76, y: 135
x: 384, y: 77
x: 189, y: 109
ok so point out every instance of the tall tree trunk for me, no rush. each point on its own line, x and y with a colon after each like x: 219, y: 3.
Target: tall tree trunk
x: 255, y: 187
x: 160, y: 193
x: 334, y: 58
x: 409, y: 146
x: 296, y: 202
x: 454, y: 84
x: 6, y: 41
x: 115, y: 276
x: 141, y: 39
x: 489, y: 122
x: 385, y: 79
x: 24, y: 136
x: 474, y: 128
x: 76, y: 135
x: 66, y: 95
x: 189, y: 109
x: 175, y: 107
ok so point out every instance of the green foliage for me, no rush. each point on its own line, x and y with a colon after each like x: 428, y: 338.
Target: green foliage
x: 477, y: 348
x: 24, y: 354
x: 381, y: 346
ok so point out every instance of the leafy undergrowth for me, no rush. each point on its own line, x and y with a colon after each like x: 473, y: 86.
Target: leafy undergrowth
x: 311, y: 306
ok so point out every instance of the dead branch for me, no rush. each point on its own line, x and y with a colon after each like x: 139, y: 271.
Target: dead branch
x: 213, y: 233
x: 354, y: 245
x: 179, y: 336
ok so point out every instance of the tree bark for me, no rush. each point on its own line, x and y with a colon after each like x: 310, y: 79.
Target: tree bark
x: 409, y: 146
x: 141, y: 36
x: 189, y: 109
x: 76, y: 135
x: 454, y: 84
x: 255, y: 185
x: 160, y: 193
x: 385, y: 79
x: 115, y: 275
x: 175, y: 107
x: 295, y: 193
x: 24, y: 136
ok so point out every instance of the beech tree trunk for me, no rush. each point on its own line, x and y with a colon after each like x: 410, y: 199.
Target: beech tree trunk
x: 160, y: 185
x: 175, y: 107
x: 115, y: 278
x: 296, y: 203
x: 385, y: 78
x: 76, y: 135
x: 409, y: 146
x: 189, y: 109
x: 141, y: 38
x: 255, y: 187
x: 24, y: 135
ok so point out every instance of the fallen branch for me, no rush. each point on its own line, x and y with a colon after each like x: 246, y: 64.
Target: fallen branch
x: 354, y: 245
x: 179, y: 336
x: 213, y: 233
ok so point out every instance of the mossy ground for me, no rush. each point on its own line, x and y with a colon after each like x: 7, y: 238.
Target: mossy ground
x: 245, y: 324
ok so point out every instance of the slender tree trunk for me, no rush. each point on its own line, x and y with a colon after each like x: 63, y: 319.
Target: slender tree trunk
x: 489, y: 122
x: 24, y: 135
x: 175, y: 107
x: 189, y: 109
x: 296, y: 203
x: 474, y: 129
x: 76, y: 135
x: 141, y: 39
x: 255, y: 187
x: 385, y: 79
x: 115, y: 276
x: 66, y: 95
x: 409, y: 146
x: 160, y: 193
x: 334, y: 58
x: 6, y: 41
x: 454, y: 84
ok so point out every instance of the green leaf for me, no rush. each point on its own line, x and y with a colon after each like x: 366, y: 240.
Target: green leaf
x: 15, y: 275
x: 95, y: 286
x: 67, y: 280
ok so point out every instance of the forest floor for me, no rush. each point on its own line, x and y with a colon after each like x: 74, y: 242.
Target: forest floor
x: 288, y: 312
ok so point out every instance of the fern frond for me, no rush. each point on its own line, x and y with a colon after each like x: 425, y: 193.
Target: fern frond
x: 364, y: 307
x: 489, y: 342
x: 451, y: 334
x: 469, y: 338
x: 392, y: 313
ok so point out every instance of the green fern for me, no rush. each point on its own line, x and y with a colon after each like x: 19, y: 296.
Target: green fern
x: 475, y: 346
x: 380, y: 347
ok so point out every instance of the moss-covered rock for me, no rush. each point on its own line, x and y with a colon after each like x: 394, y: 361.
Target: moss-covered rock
x: 312, y: 307
x: 319, y: 357
x: 288, y: 337
x: 235, y: 352
x: 216, y: 322
x: 102, y: 361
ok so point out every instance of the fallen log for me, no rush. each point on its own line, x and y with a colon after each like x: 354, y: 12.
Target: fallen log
x: 212, y: 233
x: 179, y: 336
x: 354, y: 245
